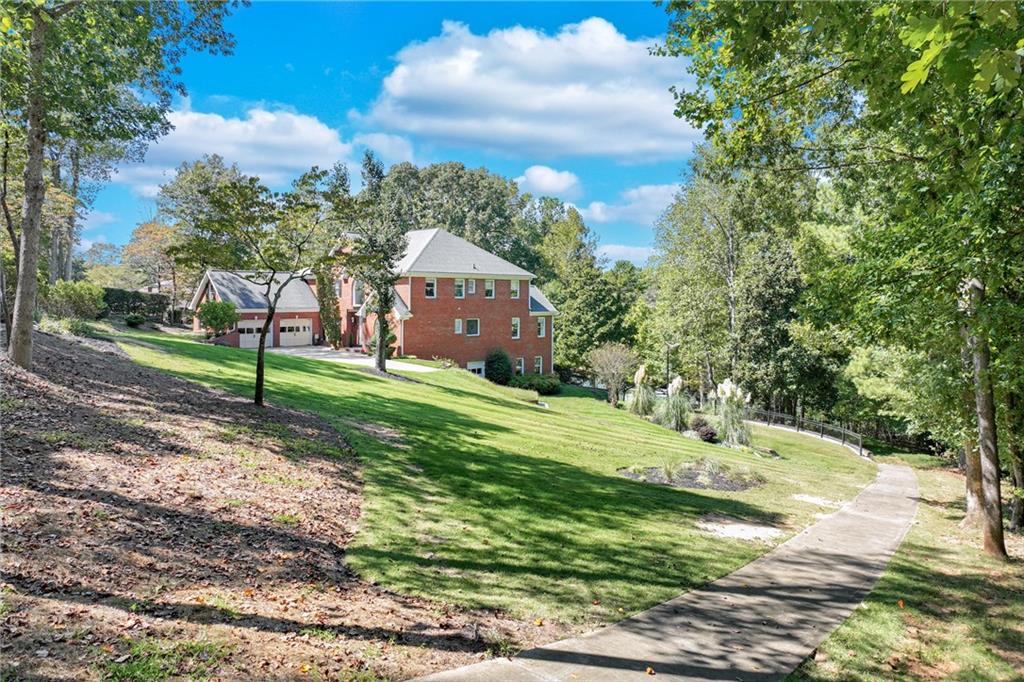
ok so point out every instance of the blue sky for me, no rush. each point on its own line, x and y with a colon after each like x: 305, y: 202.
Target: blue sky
x: 562, y: 96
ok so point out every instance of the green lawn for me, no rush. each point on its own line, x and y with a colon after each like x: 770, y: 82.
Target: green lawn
x: 962, y: 613
x: 477, y: 498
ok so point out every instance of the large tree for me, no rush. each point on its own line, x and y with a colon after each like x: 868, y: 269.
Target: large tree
x: 915, y: 109
x: 270, y: 239
x: 100, y: 71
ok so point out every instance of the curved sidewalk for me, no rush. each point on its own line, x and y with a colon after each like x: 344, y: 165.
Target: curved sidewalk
x: 757, y: 623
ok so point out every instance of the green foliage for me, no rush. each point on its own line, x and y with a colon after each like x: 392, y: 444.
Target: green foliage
x: 67, y: 325
x: 498, y: 367
x: 79, y: 300
x: 732, y: 404
x: 153, y: 660
x: 673, y: 411
x: 641, y: 401
x: 612, y: 363
x: 134, y: 320
x: 589, y: 314
x: 218, y: 316
x: 544, y: 384
x: 124, y: 302
x: 389, y: 342
x: 330, y: 315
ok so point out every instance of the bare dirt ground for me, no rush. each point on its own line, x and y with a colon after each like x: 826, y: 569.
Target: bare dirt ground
x: 154, y: 529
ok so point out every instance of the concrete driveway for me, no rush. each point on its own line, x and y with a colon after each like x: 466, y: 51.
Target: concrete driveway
x: 328, y: 354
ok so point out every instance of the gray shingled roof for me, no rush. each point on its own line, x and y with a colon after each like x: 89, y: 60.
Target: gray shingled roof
x: 297, y: 295
x: 539, y: 303
x: 441, y: 252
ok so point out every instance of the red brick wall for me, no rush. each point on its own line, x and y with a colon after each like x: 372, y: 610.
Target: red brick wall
x: 430, y: 331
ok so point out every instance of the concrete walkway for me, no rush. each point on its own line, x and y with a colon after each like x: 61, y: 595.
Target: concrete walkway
x: 347, y: 357
x: 757, y: 623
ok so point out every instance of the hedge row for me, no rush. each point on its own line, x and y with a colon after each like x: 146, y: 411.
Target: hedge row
x: 124, y: 302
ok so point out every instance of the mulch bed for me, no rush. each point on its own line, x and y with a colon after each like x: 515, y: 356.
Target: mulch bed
x: 140, y: 507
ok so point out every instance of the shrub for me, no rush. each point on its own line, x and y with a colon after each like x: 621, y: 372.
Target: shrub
x: 65, y: 325
x: 706, y: 432
x: 544, y: 384
x: 732, y: 412
x: 79, y: 300
x: 134, y: 319
x: 498, y: 367
x: 641, y: 402
x: 390, y: 339
x: 124, y: 302
x: 612, y: 363
x: 697, y: 421
x: 673, y: 411
x: 218, y: 316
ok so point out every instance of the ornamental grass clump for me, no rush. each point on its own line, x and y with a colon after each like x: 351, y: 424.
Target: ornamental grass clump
x: 674, y: 410
x: 641, y: 401
x: 732, y: 412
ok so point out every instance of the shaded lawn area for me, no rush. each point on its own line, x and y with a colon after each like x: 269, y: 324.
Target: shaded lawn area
x: 962, y: 613
x: 474, y: 497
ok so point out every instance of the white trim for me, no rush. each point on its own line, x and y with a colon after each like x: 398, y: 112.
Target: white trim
x: 477, y: 364
x: 542, y: 327
x: 468, y: 275
x: 471, y: 286
x: 429, y: 280
x: 471, y: 319
x: 514, y: 293
x: 516, y: 327
x: 494, y: 289
x: 458, y: 325
x: 520, y: 365
x: 455, y: 287
x: 535, y: 359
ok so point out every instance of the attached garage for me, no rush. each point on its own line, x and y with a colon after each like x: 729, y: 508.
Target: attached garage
x: 296, y: 332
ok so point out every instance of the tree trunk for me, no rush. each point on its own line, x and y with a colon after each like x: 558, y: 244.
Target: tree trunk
x: 53, y: 271
x: 20, y: 349
x: 984, y: 403
x: 1015, y: 418
x: 261, y: 354
x: 381, y: 351
x: 975, y: 495
x: 69, y: 242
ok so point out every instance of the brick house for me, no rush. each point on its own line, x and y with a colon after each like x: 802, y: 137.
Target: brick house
x: 296, y: 318
x: 455, y: 300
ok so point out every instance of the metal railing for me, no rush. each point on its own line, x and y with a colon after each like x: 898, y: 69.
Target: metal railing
x: 803, y: 425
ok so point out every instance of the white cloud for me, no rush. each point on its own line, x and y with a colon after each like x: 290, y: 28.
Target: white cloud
x: 585, y: 90
x: 549, y: 182
x: 274, y: 144
x: 86, y: 244
x: 642, y: 205
x: 97, y: 219
x: 392, y: 149
x: 634, y: 254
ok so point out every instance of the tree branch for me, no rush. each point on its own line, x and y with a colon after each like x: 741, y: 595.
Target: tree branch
x: 8, y: 220
x: 802, y: 83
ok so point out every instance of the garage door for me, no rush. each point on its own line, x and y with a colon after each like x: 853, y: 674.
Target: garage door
x: 296, y: 332
x: 249, y: 334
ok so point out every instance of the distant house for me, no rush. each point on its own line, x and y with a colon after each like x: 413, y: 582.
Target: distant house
x: 296, y: 318
x: 454, y: 300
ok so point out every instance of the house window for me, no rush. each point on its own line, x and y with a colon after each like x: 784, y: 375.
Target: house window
x: 477, y: 368
x: 515, y: 327
x: 488, y: 288
x: 460, y: 288
x: 458, y: 325
x: 473, y: 326
x: 471, y: 286
x: 337, y: 288
x: 515, y: 288
x: 520, y: 365
x: 430, y: 288
x: 542, y: 327
x: 538, y: 364
x: 357, y: 292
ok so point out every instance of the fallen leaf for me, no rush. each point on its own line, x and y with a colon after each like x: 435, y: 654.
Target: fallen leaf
x: 900, y: 602
x: 650, y: 670
x: 539, y: 621
x: 304, y: 668
x: 596, y: 602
